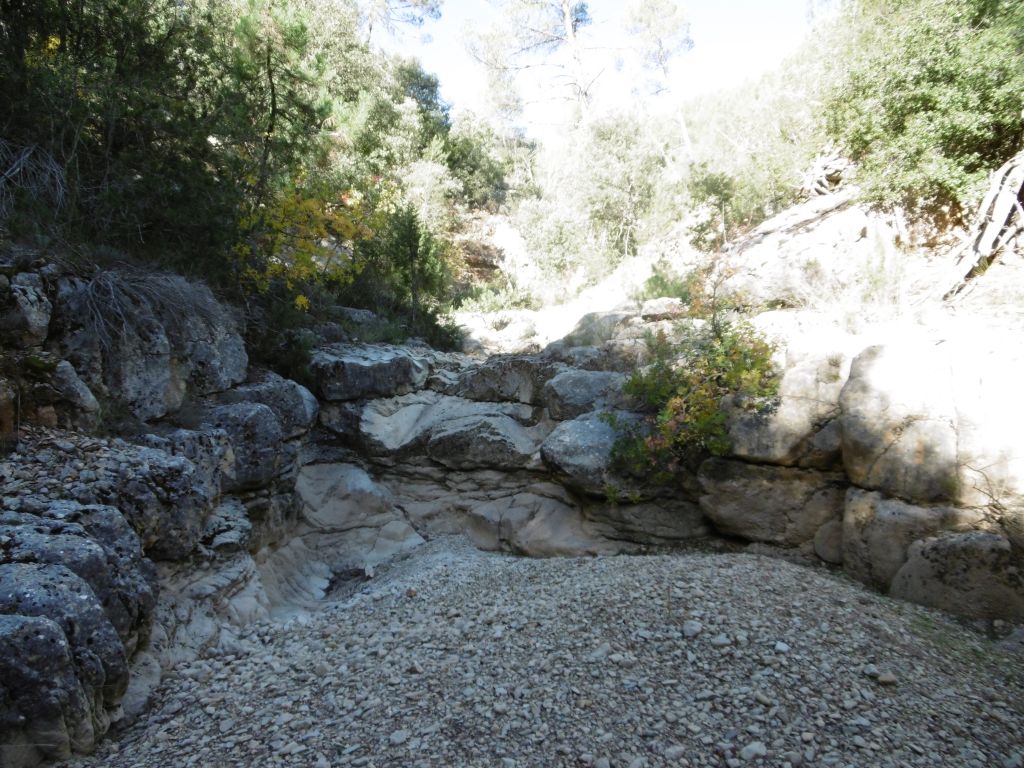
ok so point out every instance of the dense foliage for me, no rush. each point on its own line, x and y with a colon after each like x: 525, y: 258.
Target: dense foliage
x: 713, y: 360
x: 259, y: 143
x: 932, y: 101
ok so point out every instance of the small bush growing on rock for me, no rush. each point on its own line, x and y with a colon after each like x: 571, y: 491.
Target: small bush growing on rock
x: 681, y: 394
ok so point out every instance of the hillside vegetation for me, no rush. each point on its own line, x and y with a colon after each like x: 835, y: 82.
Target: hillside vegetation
x: 266, y: 146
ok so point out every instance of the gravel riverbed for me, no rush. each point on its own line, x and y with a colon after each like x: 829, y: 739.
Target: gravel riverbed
x: 455, y: 657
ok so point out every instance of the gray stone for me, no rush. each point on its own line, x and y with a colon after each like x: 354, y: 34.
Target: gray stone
x: 878, y: 531
x: 828, y: 542
x: 580, y: 450
x: 72, y: 389
x: 596, y: 328
x: 574, y: 392
x: 354, y: 371
x: 802, y: 430
x: 753, y: 750
x: 971, y: 574
x: 534, y: 524
x: 162, y: 497
x: 506, y: 378
x: 653, y: 521
x: 473, y: 442
x: 25, y: 311
x: 899, y: 423
x: 209, y: 450
x: 402, y: 425
x: 664, y: 308
x: 779, y: 505
x: 295, y: 406
x: 46, y: 709
x: 208, y: 350
x: 256, y: 441
x: 56, y: 593
x: 97, y: 544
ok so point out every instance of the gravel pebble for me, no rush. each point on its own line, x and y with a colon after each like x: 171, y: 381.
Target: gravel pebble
x: 670, y: 700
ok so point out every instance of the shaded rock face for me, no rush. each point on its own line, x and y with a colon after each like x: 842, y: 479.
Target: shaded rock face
x: 98, y: 545
x: 254, y: 432
x: 294, y: 406
x: 354, y: 371
x: 782, y: 506
x: 977, y: 573
x: 25, y: 311
x: 147, y: 360
x: 98, y: 657
x: 46, y: 708
x: 878, y: 531
x: 899, y: 424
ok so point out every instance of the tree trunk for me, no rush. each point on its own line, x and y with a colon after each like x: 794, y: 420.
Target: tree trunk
x: 1000, y: 217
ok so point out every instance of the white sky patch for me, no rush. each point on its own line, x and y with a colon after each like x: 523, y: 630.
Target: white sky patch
x: 734, y: 41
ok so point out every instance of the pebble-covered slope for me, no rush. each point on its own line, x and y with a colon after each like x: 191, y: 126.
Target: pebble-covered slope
x: 455, y: 657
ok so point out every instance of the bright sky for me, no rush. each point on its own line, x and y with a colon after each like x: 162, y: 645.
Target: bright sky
x: 734, y: 40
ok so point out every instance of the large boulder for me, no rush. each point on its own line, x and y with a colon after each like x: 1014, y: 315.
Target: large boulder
x: 25, y: 311
x: 506, y: 378
x: 987, y: 362
x: 823, y: 251
x: 295, y: 406
x: 349, y: 520
x: 539, y: 522
x: 402, y: 425
x: 878, y: 531
x: 573, y: 392
x: 46, y: 711
x: 161, y: 496
x: 474, y: 442
x: 977, y: 573
x: 209, y: 449
x: 208, y: 349
x: 128, y: 361
x: 148, y: 341
x: 803, y: 429
x: 596, y: 328
x: 100, y: 665
x: 256, y: 442
x: 580, y: 451
x: 778, y: 505
x: 899, y: 423
x: 354, y: 371
x: 656, y: 521
x: 73, y: 390
x: 99, y: 546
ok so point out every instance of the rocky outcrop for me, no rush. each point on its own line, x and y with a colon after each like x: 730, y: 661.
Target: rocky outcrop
x: 147, y: 342
x: 778, y: 505
x: 574, y: 392
x: 82, y: 519
x: 354, y: 371
x: 977, y: 573
x: 878, y: 532
x: 25, y: 310
x: 579, y: 451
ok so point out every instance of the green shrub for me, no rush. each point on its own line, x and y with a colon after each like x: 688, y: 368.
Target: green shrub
x: 932, y: 100
x: 681, y: 395
x: 666, y: 282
